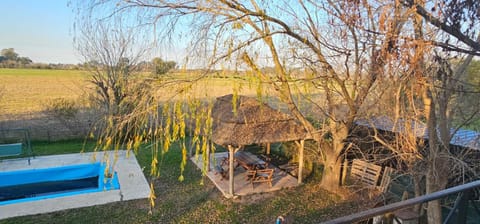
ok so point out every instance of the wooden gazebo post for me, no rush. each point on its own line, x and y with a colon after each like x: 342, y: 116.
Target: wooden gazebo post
x: 231, y: 151
x: 301, y: 147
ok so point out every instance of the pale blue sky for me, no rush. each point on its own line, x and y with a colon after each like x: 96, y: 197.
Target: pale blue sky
x: 38, y: 29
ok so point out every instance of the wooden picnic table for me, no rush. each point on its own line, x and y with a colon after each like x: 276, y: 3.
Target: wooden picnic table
x: 249, y: 161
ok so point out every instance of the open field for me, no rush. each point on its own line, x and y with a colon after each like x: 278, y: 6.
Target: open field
x: 26, y: 93
x: 196, y: 200
x: 29, y: 90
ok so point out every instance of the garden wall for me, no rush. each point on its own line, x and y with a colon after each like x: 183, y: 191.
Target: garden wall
x: 48, y: 127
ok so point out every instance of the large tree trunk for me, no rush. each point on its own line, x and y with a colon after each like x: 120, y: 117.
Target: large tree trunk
x: 433, y: 177
x: 417, y: 180
x: 331, y: 172
x: 331, y: 178
x: 433, y: 184
x: 436, y: 178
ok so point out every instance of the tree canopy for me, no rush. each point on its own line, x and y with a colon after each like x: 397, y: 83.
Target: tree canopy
x: 10, y: 59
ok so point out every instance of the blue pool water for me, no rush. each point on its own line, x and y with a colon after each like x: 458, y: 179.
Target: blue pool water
x: 37, y: 184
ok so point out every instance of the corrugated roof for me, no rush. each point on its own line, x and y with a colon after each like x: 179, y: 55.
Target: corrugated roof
x: 466, y: 138
x: 462, y: 137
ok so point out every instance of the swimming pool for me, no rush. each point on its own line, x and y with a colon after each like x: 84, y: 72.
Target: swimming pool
x: 132, y: 181
x: 36, y: 184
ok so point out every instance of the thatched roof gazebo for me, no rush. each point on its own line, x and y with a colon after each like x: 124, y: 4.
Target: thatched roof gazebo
x: 253, y: 122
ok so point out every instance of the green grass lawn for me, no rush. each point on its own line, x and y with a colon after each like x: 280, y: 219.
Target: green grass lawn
x: 195, y: 200
x: 41, y: 148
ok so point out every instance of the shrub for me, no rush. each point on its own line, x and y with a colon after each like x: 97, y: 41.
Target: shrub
x: 61, y: 107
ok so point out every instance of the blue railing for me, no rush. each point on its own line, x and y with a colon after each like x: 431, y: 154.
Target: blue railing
x: 460, y: 207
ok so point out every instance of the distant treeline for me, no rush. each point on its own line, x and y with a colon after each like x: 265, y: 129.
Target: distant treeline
x: 10, y: 59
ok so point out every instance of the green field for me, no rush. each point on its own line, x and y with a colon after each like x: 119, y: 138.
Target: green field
x: 29, y: 90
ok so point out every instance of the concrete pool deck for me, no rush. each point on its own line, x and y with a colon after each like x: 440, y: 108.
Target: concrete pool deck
x: 133, y: 184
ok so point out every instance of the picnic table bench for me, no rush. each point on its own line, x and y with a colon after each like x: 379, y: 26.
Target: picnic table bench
x: 249, y: 161
x: 257, y: 169
x: 261, y: 176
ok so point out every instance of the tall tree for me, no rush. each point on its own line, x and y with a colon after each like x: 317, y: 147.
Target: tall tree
x: 438, y: 88
x: 112, y: 50
x: 111, y: 56
x: 347, y: 49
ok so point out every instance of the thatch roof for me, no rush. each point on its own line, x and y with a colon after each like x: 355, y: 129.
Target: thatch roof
x: 252, y: 123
